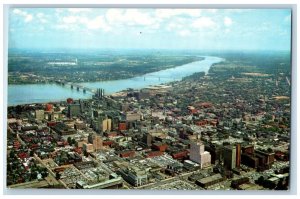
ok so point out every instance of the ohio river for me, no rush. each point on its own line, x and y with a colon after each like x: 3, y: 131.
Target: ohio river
x: 42, y: 93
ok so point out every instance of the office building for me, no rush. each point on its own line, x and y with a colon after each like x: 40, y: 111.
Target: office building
x: 147, y: 139
x: 229, y: 156
x: 106, y: 125
x: 39, y: 114
x: 103, y: 124
x: 74, y: 110
x: 135, y: 176
x: 198, y: 155
x: 96, y: 141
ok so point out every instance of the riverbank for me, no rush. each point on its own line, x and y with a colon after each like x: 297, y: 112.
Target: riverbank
x: 43, y: 93
x: 92, y: 69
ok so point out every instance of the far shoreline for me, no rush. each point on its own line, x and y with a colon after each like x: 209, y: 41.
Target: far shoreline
x: 200, y: 58
x: 59, y: 101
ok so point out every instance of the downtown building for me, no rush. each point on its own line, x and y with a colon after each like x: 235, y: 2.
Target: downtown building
x: 199, y: 155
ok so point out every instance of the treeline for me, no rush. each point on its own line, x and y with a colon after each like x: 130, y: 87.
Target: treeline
x: 264, y: 62
x: 92, y: 67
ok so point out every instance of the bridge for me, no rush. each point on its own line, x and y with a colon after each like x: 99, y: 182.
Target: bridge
x: 77, y: 86
x: 147, y: 76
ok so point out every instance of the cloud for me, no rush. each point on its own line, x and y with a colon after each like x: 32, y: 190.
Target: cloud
x: 227, y: 30
x: 62, y: 27
x: 70, y: 19
x: 167, y: 13
x: 184, y: 33
x: 227, y: 21
x: 17, y: 11
x: 203, y: 22
x: 98, y: 23
x: 27, y: 17
x: 136, y: 17
x: 173, y: 25
x: 129, y: 17
x: 41, y: 17
x: 114, y: 16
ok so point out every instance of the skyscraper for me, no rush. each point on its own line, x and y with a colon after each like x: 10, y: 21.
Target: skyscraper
x: 74, y: 110
x: 96, y: 141
x: 198, y: 155
x: 104, y: 124
x: 229, y: 155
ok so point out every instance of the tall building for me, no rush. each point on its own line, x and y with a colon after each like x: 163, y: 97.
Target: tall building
x: 147, y: 139
x: 39, y: 114
x: 238, y: 155
x: 74, y: 110
x: 229, y: 156
x: 96, y: 141
x: 198, y: 155
x: 104, y: 124
x: 197, y: 148
x: 215, y: 152
x: 83, y: 105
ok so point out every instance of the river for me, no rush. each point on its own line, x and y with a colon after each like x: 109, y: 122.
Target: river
x: 42, y: 93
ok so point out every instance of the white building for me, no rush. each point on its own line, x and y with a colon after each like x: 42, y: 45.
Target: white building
x: 198, y: 155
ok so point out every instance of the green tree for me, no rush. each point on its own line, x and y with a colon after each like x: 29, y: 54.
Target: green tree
x: 44, y: 174
x: 12, y: 154
x: 73, y: 141
x: 69, y: 140
x: 260, y: 180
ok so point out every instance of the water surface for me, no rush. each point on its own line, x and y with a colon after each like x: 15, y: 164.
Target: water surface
x: 42, y: 93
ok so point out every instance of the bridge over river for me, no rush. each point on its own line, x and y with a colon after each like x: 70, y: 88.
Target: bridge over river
x: 77, y: 86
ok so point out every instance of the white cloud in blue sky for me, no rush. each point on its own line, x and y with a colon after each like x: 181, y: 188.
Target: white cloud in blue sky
x: 259, y: 29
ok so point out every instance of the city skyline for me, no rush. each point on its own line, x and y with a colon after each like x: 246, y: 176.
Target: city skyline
x: 149, y: 99
x: 210, y: 29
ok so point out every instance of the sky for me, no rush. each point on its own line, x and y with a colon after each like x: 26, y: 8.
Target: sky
x: 98, y: 28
